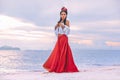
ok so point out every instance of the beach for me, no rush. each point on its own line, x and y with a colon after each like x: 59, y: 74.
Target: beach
x: 92, y: 64
x: 98, y: 73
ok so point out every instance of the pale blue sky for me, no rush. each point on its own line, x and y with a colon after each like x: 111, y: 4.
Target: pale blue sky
x: 29, y: 24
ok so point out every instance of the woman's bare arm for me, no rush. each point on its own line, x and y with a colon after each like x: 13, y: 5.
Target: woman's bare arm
x: 68, y: 23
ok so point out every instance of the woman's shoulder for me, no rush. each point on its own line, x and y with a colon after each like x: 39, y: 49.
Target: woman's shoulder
x: 67, y: 22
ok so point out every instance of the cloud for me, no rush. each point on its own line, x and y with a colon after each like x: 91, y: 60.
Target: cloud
x: 93, y: 6
x: 20, y: 32
x: 44, y: 14
x: 84, y: 42
x: 32, y: 22
x: 19, y: 28
x: 113, y: 44
x: 104, y: 28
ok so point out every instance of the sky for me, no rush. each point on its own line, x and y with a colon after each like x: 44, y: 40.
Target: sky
x: 29, y: 24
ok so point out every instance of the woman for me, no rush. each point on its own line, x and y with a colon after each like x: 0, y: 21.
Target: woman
x: 61, y: 59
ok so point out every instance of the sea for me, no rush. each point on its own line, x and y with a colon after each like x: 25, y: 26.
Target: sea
x: 32, y: 60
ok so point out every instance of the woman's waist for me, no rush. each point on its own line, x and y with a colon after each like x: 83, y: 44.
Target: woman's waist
x: 60, y: 35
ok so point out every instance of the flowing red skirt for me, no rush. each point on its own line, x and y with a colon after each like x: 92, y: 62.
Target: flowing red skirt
x: 61, y: 59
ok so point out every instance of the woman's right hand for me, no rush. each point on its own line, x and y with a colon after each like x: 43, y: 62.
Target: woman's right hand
x: 59, y: 24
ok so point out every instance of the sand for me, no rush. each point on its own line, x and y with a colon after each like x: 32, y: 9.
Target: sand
x: 95, y: 73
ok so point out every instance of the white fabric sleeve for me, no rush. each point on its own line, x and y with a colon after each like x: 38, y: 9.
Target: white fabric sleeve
x: 56, y: 31
x: 66, y: 30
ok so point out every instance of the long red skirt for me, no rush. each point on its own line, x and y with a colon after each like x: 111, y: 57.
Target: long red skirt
x: 61, y: 59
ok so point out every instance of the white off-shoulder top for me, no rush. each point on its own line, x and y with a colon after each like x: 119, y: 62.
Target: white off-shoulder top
x: 65, y: 30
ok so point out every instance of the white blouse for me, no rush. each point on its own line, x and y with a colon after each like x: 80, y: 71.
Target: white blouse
x: 65, y: 30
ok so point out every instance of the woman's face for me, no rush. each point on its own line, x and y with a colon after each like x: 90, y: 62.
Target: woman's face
x: 63, y: 15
